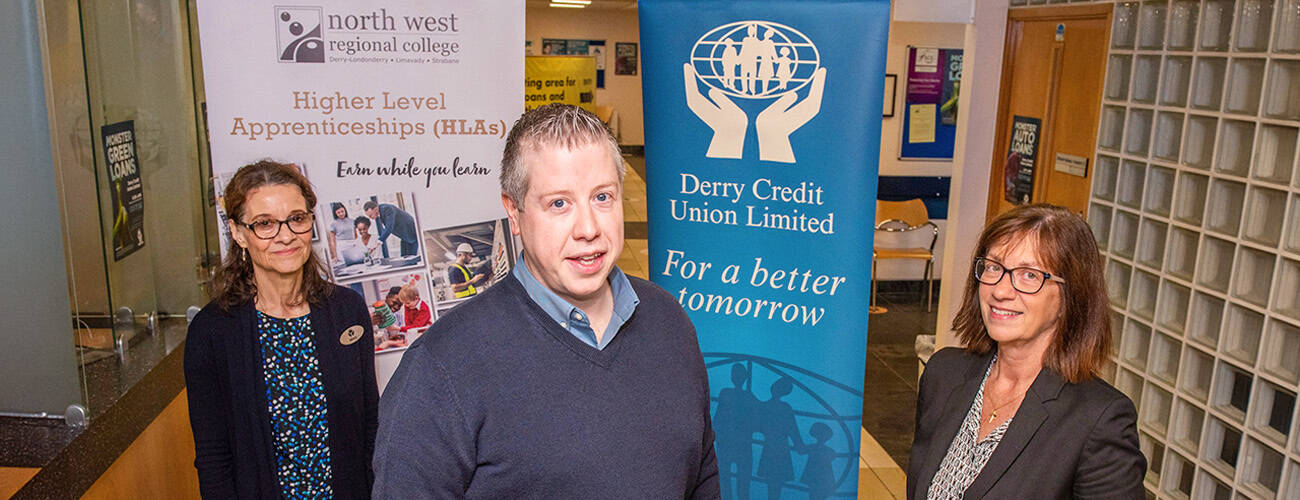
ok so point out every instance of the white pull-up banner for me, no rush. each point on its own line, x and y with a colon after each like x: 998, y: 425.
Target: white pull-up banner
x: 396, y: 111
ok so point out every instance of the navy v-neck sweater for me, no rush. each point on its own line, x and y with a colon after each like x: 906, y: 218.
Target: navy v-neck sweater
x: 497, y: 401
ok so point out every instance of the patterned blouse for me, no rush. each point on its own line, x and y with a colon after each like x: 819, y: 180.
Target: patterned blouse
x: 295, y: 396
x: 967, y: 454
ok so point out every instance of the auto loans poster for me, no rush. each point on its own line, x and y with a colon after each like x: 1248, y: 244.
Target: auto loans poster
x: 762, y: 144
x: 396, y: 111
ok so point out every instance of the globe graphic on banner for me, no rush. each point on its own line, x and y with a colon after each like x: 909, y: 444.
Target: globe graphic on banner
x: 755, y: 59
x: 781, y: 429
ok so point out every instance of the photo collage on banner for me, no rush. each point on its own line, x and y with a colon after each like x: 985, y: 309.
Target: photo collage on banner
x: 396, y: 112
x: 763, y: 134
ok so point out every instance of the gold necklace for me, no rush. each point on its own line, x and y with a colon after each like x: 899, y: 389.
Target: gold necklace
x: 994, y: 414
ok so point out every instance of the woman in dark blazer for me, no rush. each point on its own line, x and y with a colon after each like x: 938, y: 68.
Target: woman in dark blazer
x: 1019, y: 411
x: 279, y: 367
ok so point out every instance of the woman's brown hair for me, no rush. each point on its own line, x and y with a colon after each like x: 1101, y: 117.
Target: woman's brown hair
x: 1066, y: 248
x: 233, y: 283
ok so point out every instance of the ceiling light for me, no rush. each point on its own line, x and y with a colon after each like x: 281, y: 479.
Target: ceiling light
x: 568, y: 5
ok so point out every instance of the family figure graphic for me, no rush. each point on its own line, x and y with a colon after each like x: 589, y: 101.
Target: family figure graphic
x: 758, y: 62
x: 740, y: 414
x: 769, y: 62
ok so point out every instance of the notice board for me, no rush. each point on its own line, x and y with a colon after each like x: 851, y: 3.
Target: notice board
x: 930, y: 103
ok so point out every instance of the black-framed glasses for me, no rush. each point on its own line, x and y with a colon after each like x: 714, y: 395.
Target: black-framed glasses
x: 1023, y: 279
x: 267, y: 228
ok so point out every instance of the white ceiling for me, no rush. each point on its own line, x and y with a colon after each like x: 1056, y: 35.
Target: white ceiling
x: 595, y: 4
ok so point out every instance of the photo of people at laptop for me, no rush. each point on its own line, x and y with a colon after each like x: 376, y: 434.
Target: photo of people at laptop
x: 371, y: 234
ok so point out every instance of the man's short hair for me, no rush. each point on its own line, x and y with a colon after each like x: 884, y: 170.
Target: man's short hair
x: 551, y: 125
x: 369, y: 205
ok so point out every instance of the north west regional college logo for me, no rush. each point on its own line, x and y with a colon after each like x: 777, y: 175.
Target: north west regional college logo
x: 298, y: 34
x: 754, y: 60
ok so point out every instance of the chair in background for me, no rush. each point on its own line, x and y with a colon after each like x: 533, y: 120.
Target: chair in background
x: 904, y: 217
x: 609, y: 115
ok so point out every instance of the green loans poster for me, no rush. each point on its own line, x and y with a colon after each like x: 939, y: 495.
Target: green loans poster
x: 126, y: 195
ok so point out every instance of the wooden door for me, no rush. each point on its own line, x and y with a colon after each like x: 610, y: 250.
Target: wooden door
x: 1054, y: 67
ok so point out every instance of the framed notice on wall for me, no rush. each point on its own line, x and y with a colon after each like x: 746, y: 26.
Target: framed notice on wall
x: 625, y: 56
x: 930, y: 103
x: 891, y: 83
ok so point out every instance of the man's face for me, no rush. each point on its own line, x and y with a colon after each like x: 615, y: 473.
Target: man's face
x: 372, y: 212
x: 571, y: 219
x: 463, y: 258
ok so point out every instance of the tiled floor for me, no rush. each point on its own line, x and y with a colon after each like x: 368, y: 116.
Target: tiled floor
x: 636, y: 252
x: 890, y: 392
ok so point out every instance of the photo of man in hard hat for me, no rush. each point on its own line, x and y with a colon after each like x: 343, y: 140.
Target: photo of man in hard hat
x: 462, y: 278
x: 467, y: 260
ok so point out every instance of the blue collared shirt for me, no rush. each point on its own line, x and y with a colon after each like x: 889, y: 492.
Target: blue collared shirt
x: 573, y: 319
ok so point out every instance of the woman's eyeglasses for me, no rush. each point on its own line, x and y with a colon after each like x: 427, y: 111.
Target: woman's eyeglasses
x: 1023, y: 279
x: 267, y: 228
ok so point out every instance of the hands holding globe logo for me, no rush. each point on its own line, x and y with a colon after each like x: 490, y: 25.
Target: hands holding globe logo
x: 762, y: 68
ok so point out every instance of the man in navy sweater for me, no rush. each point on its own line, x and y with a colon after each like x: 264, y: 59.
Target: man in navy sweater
x: 567, y: 379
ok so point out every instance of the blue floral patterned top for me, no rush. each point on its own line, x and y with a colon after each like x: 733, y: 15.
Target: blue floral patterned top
x: 295, y: 396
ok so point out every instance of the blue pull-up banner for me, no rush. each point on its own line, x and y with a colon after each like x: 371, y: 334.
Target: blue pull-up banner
x: 762, y: 149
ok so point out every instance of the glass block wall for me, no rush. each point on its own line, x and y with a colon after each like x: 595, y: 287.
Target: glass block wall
x: 1196, y: 206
